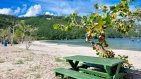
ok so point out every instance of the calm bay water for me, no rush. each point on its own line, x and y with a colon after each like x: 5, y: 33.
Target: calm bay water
x: 114, y: 43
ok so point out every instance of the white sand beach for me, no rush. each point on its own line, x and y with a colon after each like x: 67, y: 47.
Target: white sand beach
x: 63, y: 50
x: 39, y: 61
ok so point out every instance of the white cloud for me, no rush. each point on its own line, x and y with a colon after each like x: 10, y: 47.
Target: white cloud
x: 60, y: 11
x: 9, y: 11
x: 33, y: 10
x: 6, y: 11
x: 48, y: 13
x: 64, y: 7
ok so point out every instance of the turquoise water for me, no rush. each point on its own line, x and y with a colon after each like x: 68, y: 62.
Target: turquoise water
x: 114, y: 43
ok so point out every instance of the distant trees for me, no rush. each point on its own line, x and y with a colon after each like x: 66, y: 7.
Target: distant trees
x: 4, y: 34
x: 25, y: 33
x: 19, y: 33
x: 6, y: 20
x: 134, y: 32
x: 46, y: 31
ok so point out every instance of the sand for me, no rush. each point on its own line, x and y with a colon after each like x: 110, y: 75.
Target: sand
x: 16, y: 63
x: 39, y: 61
x: 63, y: 50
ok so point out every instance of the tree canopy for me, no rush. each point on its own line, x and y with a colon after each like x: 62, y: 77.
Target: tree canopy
x: 118, y: 17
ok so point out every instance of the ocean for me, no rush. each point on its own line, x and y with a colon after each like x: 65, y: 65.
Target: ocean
x: 114, y: 43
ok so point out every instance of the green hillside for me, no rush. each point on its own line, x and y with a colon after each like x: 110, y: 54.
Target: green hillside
x: 6, y: 20
x: 45, y: 25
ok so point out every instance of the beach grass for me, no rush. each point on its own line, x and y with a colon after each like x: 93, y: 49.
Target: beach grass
x: 1, y: 61
x: 19, y: 61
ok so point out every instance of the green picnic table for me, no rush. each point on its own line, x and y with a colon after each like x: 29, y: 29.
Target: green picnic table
x: 107, y: 63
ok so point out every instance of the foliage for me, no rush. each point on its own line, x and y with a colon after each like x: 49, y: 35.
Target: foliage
x: 4, y: 34
x: 18, y: 35
x: 6, y: 20
x: 45, y: 31
x: 25, y: 33
x: 126, y: 64
x: 118, y: 17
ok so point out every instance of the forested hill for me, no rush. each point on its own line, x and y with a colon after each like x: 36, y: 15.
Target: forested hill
x: 45, y: 26
x: 46, y: 31
x: 6, y: 20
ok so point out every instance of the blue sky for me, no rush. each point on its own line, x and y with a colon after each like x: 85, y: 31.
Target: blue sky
x: 53, y: 7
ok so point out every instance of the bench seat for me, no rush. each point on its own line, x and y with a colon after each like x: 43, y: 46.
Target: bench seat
x: 97, y: 73
x: 75, y: 74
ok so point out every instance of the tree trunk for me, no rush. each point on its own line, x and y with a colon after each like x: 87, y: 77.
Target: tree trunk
x: 101, y: 51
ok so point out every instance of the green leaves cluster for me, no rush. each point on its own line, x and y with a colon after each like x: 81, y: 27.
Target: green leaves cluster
x: 24, y: 32
x: 118, y: 17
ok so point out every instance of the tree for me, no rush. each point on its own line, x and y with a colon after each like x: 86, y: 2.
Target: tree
x: 118, y: 17
x: 30, y: 36
x: 4, y: 34
x: 25, y: 33
x: 11, y: 30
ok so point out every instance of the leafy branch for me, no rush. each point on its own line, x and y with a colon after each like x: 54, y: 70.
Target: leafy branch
x: 117, y: 16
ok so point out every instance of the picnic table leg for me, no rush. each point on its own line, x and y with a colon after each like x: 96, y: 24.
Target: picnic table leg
x: 58, y: 74
x: 117, y: 74
x: 74, y: 64
x: 108, y: 70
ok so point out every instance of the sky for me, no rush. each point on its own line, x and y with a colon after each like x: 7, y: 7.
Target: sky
x: 27, y: 8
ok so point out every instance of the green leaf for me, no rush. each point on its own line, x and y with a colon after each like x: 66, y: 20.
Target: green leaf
x: 82, y: 21
x: 108, y: 20
x: 104, y: 10
x: 131, y: 0
x: 91, y: 18
x: 122, y: 15
x: 65, y: 17
x: 100, y: 21
x: 112, y: 8
x: 73, y: 15
x: 123, y: 0
x: 96, y: 6
x: 71, y: 24
x: 56, y: 26
x: 66, y: 28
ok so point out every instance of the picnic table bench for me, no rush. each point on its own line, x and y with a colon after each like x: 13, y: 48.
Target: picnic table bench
x: 74, y: 74
x: 77, y: 70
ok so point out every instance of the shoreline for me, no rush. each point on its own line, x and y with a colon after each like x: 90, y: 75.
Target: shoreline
x: 87, y: 44
x: 73, y: 45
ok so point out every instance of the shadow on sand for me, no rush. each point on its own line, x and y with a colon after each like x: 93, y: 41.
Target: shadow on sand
x: 134, y: 74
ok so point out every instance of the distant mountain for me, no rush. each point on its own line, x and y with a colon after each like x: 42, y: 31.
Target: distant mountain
x: 45, y: 25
